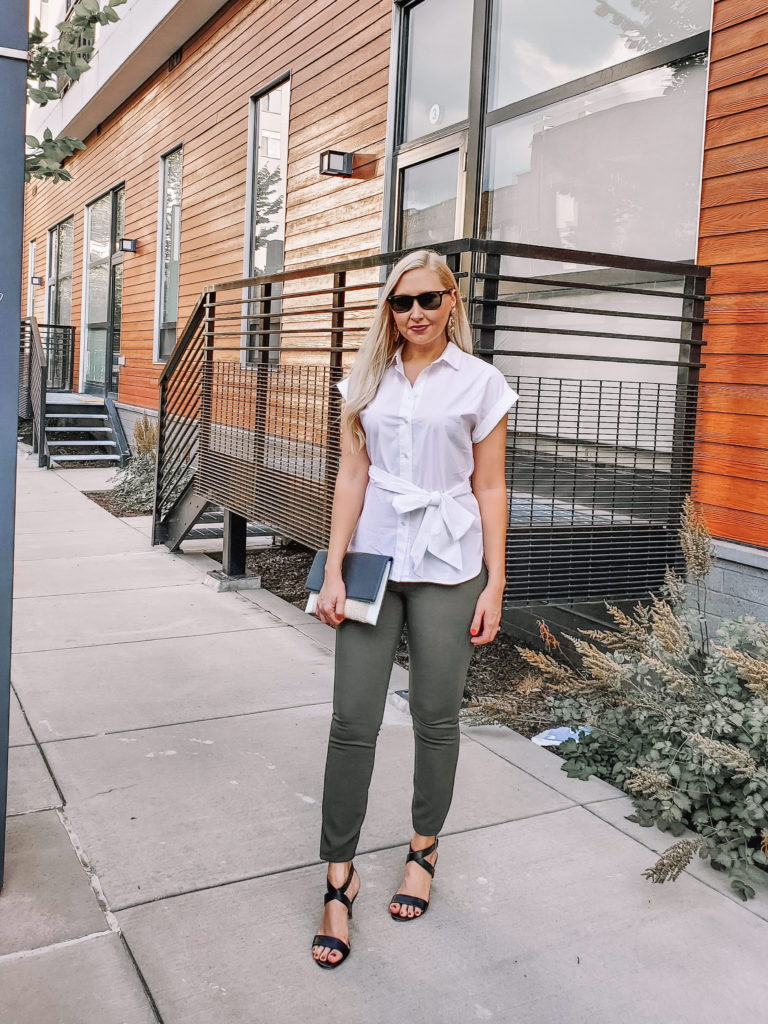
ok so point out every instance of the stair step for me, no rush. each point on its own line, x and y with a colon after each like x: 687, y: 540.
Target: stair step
x: 75, y: 416
x: 81, y: 444
x: 55, y: 459
x: 78, y: 430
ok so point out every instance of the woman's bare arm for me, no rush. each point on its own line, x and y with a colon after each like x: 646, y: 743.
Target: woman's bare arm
x: 348, y: 495
x: 490, y: 489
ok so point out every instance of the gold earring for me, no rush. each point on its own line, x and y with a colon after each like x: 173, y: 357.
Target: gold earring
x: 452, y: 326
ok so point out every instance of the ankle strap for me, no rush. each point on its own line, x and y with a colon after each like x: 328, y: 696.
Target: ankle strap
x: 334, y: 893
x: 419, y: 855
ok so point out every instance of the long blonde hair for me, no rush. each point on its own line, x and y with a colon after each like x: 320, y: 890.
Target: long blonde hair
x: 383, y: 339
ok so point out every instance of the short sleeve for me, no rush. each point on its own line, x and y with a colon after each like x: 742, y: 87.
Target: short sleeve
x: 342, y: 386
x: 497, y: 398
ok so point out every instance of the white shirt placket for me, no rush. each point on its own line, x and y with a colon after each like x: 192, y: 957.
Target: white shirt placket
x: 405, y: 439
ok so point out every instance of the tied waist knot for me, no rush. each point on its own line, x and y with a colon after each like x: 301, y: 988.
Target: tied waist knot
x: 445, y: 520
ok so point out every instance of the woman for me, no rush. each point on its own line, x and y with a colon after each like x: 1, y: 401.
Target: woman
x: 421, y: 479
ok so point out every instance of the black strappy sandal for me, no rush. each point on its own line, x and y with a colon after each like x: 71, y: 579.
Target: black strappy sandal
x: 330, y: 940
x: 415, y: 901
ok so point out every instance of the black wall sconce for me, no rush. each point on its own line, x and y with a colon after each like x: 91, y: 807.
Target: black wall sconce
x: 35, y: 280
x: 127, y: 245
x: 336, y: 163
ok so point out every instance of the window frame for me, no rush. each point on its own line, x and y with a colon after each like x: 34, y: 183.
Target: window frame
x: 160, y: 294
x: 31, y: 263
x: 249, y: 358
x: 52, y: 276
x: 115, y: 257
x: 402, y: 154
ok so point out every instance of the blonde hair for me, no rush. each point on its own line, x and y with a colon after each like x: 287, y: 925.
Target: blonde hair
x: 383, y: 339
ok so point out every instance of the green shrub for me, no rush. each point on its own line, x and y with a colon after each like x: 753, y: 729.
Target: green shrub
x: 679, y: 720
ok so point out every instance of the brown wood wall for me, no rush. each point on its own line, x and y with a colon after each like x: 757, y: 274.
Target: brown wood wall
x: 732, y: 465
x: 337, y: 52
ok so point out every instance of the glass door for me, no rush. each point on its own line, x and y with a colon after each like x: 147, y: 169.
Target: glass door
x: 103, y: 303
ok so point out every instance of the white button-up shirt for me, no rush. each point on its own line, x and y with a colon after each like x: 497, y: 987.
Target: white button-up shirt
x: 419, y: 507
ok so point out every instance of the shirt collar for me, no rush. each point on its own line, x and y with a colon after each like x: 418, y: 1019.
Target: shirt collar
x: 450, y: 355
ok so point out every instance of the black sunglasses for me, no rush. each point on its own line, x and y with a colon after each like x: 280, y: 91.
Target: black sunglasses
x: 427, y: 300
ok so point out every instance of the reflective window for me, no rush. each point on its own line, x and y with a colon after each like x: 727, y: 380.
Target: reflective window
x: 616, y: 169
x: 30, y: 274
x: 428, y: 203
x: 170, y: 241
x: 537, y: 46
x: 269, y: 171
x: 266, y: 245
x: 437, y: 66
x: 60, y: 262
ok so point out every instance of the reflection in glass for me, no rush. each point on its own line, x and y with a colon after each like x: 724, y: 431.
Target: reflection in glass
x: 61, y: 254
x: 169, y: 252
x: 613, y: 170
x: 537, y: 46
x: 437, y: 70
x: 268, y: 192
x: 117, y: 316
x: 97, y: 289
x: 270, y: 169
x: 428, y: 205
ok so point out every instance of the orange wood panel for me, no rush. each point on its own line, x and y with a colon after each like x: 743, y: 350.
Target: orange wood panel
x: 740, y: 67
x: 337, y: 53
x: 732, y: 12
x: 749, y: 125
x: 736, y: 157
x: 731, y: 466
x: 743, y: 277
x: 741, y: 37
x: 733, y: 99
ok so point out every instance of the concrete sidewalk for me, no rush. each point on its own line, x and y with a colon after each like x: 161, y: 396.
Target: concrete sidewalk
x: 166, y: 782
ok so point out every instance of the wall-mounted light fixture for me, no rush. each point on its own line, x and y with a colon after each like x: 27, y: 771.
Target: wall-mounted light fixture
x: 334, y: 162
x: 127, y: 245
x: 35, y: 280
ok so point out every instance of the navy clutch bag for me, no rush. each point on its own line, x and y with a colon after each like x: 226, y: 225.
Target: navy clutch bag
x: 365, y: 576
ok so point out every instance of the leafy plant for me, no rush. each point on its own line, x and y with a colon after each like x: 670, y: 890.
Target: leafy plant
x: 679, y: 720
x: 50, y: 71
x: 135, y: 487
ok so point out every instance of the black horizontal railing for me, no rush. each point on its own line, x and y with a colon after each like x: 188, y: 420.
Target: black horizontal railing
x: 58, y: 342
x: 604, y: 351
x: 38, y: 386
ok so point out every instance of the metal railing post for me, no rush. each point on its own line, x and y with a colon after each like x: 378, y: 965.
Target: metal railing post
x: 234, y: 553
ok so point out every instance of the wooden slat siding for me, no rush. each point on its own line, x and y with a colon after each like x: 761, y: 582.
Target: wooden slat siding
x: 741, y: 37
x: 732, y: 12
x: 731, y: 478
x: 338, y: 56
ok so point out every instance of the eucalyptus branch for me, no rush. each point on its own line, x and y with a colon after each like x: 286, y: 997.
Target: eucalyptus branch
x: 51, y: 69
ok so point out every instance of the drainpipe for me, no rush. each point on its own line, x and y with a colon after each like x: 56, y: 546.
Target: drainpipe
x: 13, y: 74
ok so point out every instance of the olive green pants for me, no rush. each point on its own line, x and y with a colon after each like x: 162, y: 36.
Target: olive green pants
x: 439, y: 648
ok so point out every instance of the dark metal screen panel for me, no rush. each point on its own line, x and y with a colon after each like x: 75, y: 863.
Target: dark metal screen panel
x: 604, y: 352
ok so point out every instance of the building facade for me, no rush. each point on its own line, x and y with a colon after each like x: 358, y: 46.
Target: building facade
x: 630, y: 127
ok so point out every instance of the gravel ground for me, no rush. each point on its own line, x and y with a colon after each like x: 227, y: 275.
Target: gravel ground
x: 495, y: 667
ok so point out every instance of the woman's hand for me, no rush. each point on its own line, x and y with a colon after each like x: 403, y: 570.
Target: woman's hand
x: 330, y: 601
x: 485, y: 624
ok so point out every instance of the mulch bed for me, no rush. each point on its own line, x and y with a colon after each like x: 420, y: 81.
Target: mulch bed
x: 495, y: 667
x: 114, y: 504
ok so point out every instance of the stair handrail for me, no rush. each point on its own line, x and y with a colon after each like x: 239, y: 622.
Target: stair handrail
x: 180, y: 349
x: 38, y: 383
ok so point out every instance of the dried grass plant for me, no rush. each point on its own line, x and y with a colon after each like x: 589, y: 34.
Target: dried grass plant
x: 679, y: 721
